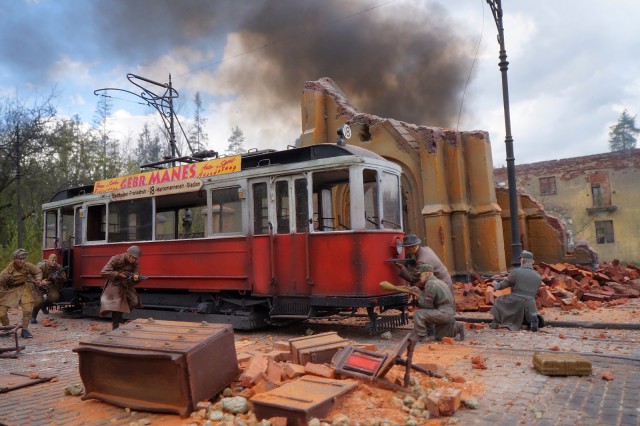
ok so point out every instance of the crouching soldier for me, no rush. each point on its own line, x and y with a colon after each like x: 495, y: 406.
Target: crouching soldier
x: 436, y: 309
x: 48, y: 294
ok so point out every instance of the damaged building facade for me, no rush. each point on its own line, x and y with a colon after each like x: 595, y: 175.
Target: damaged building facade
x: 448, y: 187
x: 595, y: 197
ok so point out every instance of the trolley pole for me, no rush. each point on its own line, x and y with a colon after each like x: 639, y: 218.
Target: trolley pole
x: 18, y: 196
x: 516, y: 246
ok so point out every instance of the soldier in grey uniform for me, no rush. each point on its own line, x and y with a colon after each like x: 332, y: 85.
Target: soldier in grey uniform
x: 119, y: 296
x: 17, y: 283
x: 519, y: 307
x: 436, y: 308
x: 423, y: 256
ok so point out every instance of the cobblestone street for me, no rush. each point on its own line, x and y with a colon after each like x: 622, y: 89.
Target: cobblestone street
x: 510, y: 391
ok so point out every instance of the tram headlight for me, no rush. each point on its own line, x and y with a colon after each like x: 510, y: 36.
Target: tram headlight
x: 397, y: 245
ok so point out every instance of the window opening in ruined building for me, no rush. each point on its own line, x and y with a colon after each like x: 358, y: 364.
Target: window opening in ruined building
x: 596, y: 192
x: 604, y: 231
x: 548, y: 185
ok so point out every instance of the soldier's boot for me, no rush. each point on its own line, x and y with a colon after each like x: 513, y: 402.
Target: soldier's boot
x: 34, y: 315
x: 533, y: 326
x: 460, y: 330
x: 25, y: 334
x: 45, y: 307
x: 494, y: 325
x: 116, y: 319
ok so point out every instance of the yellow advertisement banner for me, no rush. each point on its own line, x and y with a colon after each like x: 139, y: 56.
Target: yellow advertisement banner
x: 166, y: 177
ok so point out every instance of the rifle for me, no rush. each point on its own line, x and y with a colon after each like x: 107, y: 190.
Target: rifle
x: 406, y: 262
x: 130, y: 276
x: 57, y: 273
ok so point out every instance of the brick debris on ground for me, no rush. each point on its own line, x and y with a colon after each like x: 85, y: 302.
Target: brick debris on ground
x: 508, y: 389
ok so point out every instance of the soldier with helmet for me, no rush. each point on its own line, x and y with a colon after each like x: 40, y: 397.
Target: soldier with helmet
x: 119, y: 295
x: 435, y: 316
x: 518, y: 308
x: 17, y: 283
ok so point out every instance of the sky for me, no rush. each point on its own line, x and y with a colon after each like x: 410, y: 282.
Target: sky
x: 573, y: 64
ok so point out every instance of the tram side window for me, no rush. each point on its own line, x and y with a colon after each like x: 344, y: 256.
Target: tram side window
x: 302, y: 205
x: 390, y: 201
x: 130, y: 220
x: 260, y: 208
x: 282, y: 206
x: 97, y: 222
x: 226, y: 210
x: 181, y: 216
x: 51, y: 229
x: 371, y: 213
x: 331, y: 203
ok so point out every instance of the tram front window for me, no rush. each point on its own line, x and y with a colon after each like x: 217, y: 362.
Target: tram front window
x: 331, y: 205
x: 391, y: 218
x: 371, y: 213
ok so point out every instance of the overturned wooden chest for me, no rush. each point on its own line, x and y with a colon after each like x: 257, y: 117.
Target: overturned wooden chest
x: 557, y: 364
x: 317, y: 349
x: 163, y: 366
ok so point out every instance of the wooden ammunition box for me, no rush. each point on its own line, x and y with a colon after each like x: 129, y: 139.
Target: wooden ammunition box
x: 318, y: 349
x: 557, y: 364
x: 154, y: 365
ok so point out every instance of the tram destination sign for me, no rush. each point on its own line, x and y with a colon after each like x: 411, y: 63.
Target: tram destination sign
x: 184, y: 178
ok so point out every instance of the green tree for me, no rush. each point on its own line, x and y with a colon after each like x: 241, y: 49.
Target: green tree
x: 198, y: 138
x: 149, y: 149
x: 236, y: 141
x: 623, y: 134
x: 101, y: 116
x: 24, y: 158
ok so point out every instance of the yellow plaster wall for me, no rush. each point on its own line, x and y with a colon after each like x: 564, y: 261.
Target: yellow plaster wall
x: 450, y: 175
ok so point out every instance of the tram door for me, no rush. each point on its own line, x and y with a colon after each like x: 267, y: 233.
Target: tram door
x: 291, y: 229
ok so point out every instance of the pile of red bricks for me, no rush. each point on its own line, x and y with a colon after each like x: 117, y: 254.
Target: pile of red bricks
x: 567, y: 286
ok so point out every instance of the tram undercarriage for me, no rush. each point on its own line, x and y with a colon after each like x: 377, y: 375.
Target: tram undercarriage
x: 249, y: 312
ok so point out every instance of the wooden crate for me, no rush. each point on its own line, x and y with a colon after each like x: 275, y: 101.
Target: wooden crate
x: 318, y: 349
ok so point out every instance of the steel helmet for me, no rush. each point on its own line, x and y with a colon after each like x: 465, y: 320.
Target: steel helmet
x: 134, y: 251
x: 526, y: 255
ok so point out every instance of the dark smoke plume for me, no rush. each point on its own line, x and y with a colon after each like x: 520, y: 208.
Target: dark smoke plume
x: 391, y: 58
x: 395, y: 60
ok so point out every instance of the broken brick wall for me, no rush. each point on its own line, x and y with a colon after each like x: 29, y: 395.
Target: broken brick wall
x: 591, y: 193
x: 447, y: 179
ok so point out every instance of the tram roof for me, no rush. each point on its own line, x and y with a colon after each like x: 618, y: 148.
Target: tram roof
x: 306, y: 153
x: 255, y: 159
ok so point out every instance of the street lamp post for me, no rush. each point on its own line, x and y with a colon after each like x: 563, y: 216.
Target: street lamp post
x: 516, y: 246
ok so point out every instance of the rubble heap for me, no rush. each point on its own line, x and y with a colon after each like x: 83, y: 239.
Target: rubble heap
x: 566, y: 286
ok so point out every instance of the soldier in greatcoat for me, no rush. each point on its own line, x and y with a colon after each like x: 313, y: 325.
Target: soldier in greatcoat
x: 17, y: 283
x: 119, y: 295
x: 54, y: 279
x: 518, y: 308
x: 423, y: 255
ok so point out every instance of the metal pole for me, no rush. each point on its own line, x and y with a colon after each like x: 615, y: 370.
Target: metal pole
x: 18, y: 179
x: 516, y: 246
x: 172, y: 132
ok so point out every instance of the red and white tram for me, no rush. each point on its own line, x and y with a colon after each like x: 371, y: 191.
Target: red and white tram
x: 247, y: 240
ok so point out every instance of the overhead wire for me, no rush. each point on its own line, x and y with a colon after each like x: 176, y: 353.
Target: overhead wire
x: 464, y: 92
